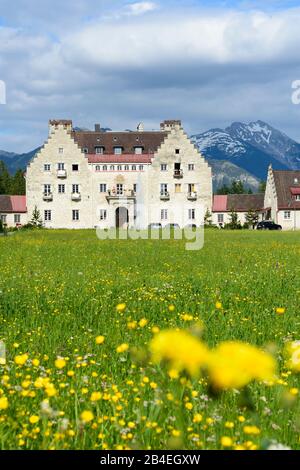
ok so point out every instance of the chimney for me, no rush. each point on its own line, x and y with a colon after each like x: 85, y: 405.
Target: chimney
x: 97, y: 128
x: 140, y: 127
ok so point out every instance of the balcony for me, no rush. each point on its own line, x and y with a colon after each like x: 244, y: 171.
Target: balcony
x: 178, y: 174
x: 61, y: 173
x: 164, y: 196
x: 113, y: 194
x: 48, y: 197
x: 76, y: 197
x: 192, y: 196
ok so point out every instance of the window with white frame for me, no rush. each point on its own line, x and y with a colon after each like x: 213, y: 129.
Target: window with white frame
x: 103, y: 214
x: 163, y: 189
x: 297, y: 198
x: 60, y: 150
x: 104, y: 168
x: 75, y: 188
x: 138, y: 150
x: 75, y: 214
x: 112, y: 167
x: 61, y: 189
x: 141, y: 167
x: 3, y: 218
x: 60, y: 166
x: 192, y: 214
x: 119, y: 167
x: 118, y: 150
x: 98, y: 168
x: 99, y: 150
x: 191, y: 166
x: 164, y: 214
x: 133, y: 167
x: 220, y: 218
x: 85, y: 150
x: 177, y: 188
x: 287, y: 215
x: 163, y: 167
x: 47, y: 167
x: 47, y: 189
x: 119, y: 189
x: 47, y: 215
x: 102, y: 188
x: 126, y: 167
x: 17, y: 218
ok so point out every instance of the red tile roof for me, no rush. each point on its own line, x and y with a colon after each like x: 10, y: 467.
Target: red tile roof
x: 238, y: 202
x: 12, y: 204
x: 220, y: 203
x: 124, y: 158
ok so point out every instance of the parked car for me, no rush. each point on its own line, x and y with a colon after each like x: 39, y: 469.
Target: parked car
x: 268, y: 225
x: 155, y: 226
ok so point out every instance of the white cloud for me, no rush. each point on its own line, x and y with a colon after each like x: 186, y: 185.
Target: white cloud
x: 139, y: 8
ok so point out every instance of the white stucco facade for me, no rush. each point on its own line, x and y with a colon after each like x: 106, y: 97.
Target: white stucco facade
x: 72, y: 190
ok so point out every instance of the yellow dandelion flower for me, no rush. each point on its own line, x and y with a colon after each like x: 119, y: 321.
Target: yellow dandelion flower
x: 226, y: 441
x: 3, y: 403
x: 20, y: 359
x: 171, y: 308
x: 121, y: 307
x: 143, y: 322
x: 197, y: 418
x: 34, y: 419
x: 96, y: 396
x: 86, y: 416
x: 176, y: 433
x: 219, y: 305
x: 180, y: 349
x: 189, y: 406
x: 122, y: 348
x: 280, y: 310
x: 234, y: 364
x: 60, y: 363
x: 100, y: 339
x: 35, y: 362
x: 251, y: 430
x: 131, y: 425
x: 155, y: 330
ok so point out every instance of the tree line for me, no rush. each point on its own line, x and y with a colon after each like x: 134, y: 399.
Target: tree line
x: 238, y: 187
x: 11, y: 184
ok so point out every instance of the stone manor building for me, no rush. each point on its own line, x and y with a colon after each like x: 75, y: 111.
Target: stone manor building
x: 87, y: 179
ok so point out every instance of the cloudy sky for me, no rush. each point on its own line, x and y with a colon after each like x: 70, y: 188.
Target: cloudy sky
x: 120, y: 62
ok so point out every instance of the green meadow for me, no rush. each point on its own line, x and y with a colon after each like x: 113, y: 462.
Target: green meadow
x: 63, y: 389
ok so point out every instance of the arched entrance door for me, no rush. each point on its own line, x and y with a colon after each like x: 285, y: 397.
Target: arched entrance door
x: 122, y: 217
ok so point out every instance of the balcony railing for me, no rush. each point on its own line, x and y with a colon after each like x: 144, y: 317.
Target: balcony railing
x: 76, y: 197
x: 164, y: 196
x: 178, y: 173
x: 119, y: 194
x: 61, y: 173
x: 192, y: 196
x: 48, y: 197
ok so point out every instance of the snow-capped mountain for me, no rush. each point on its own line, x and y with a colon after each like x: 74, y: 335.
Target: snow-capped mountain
x: 252, y: 147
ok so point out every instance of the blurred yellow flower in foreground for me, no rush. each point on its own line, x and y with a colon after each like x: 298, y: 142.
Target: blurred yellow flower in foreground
x: 218, y: 305
x: 292, y: 352
x: 234, y: 364
x: 280, y: 310
x: 180, y: 350
x: 3, y: 403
